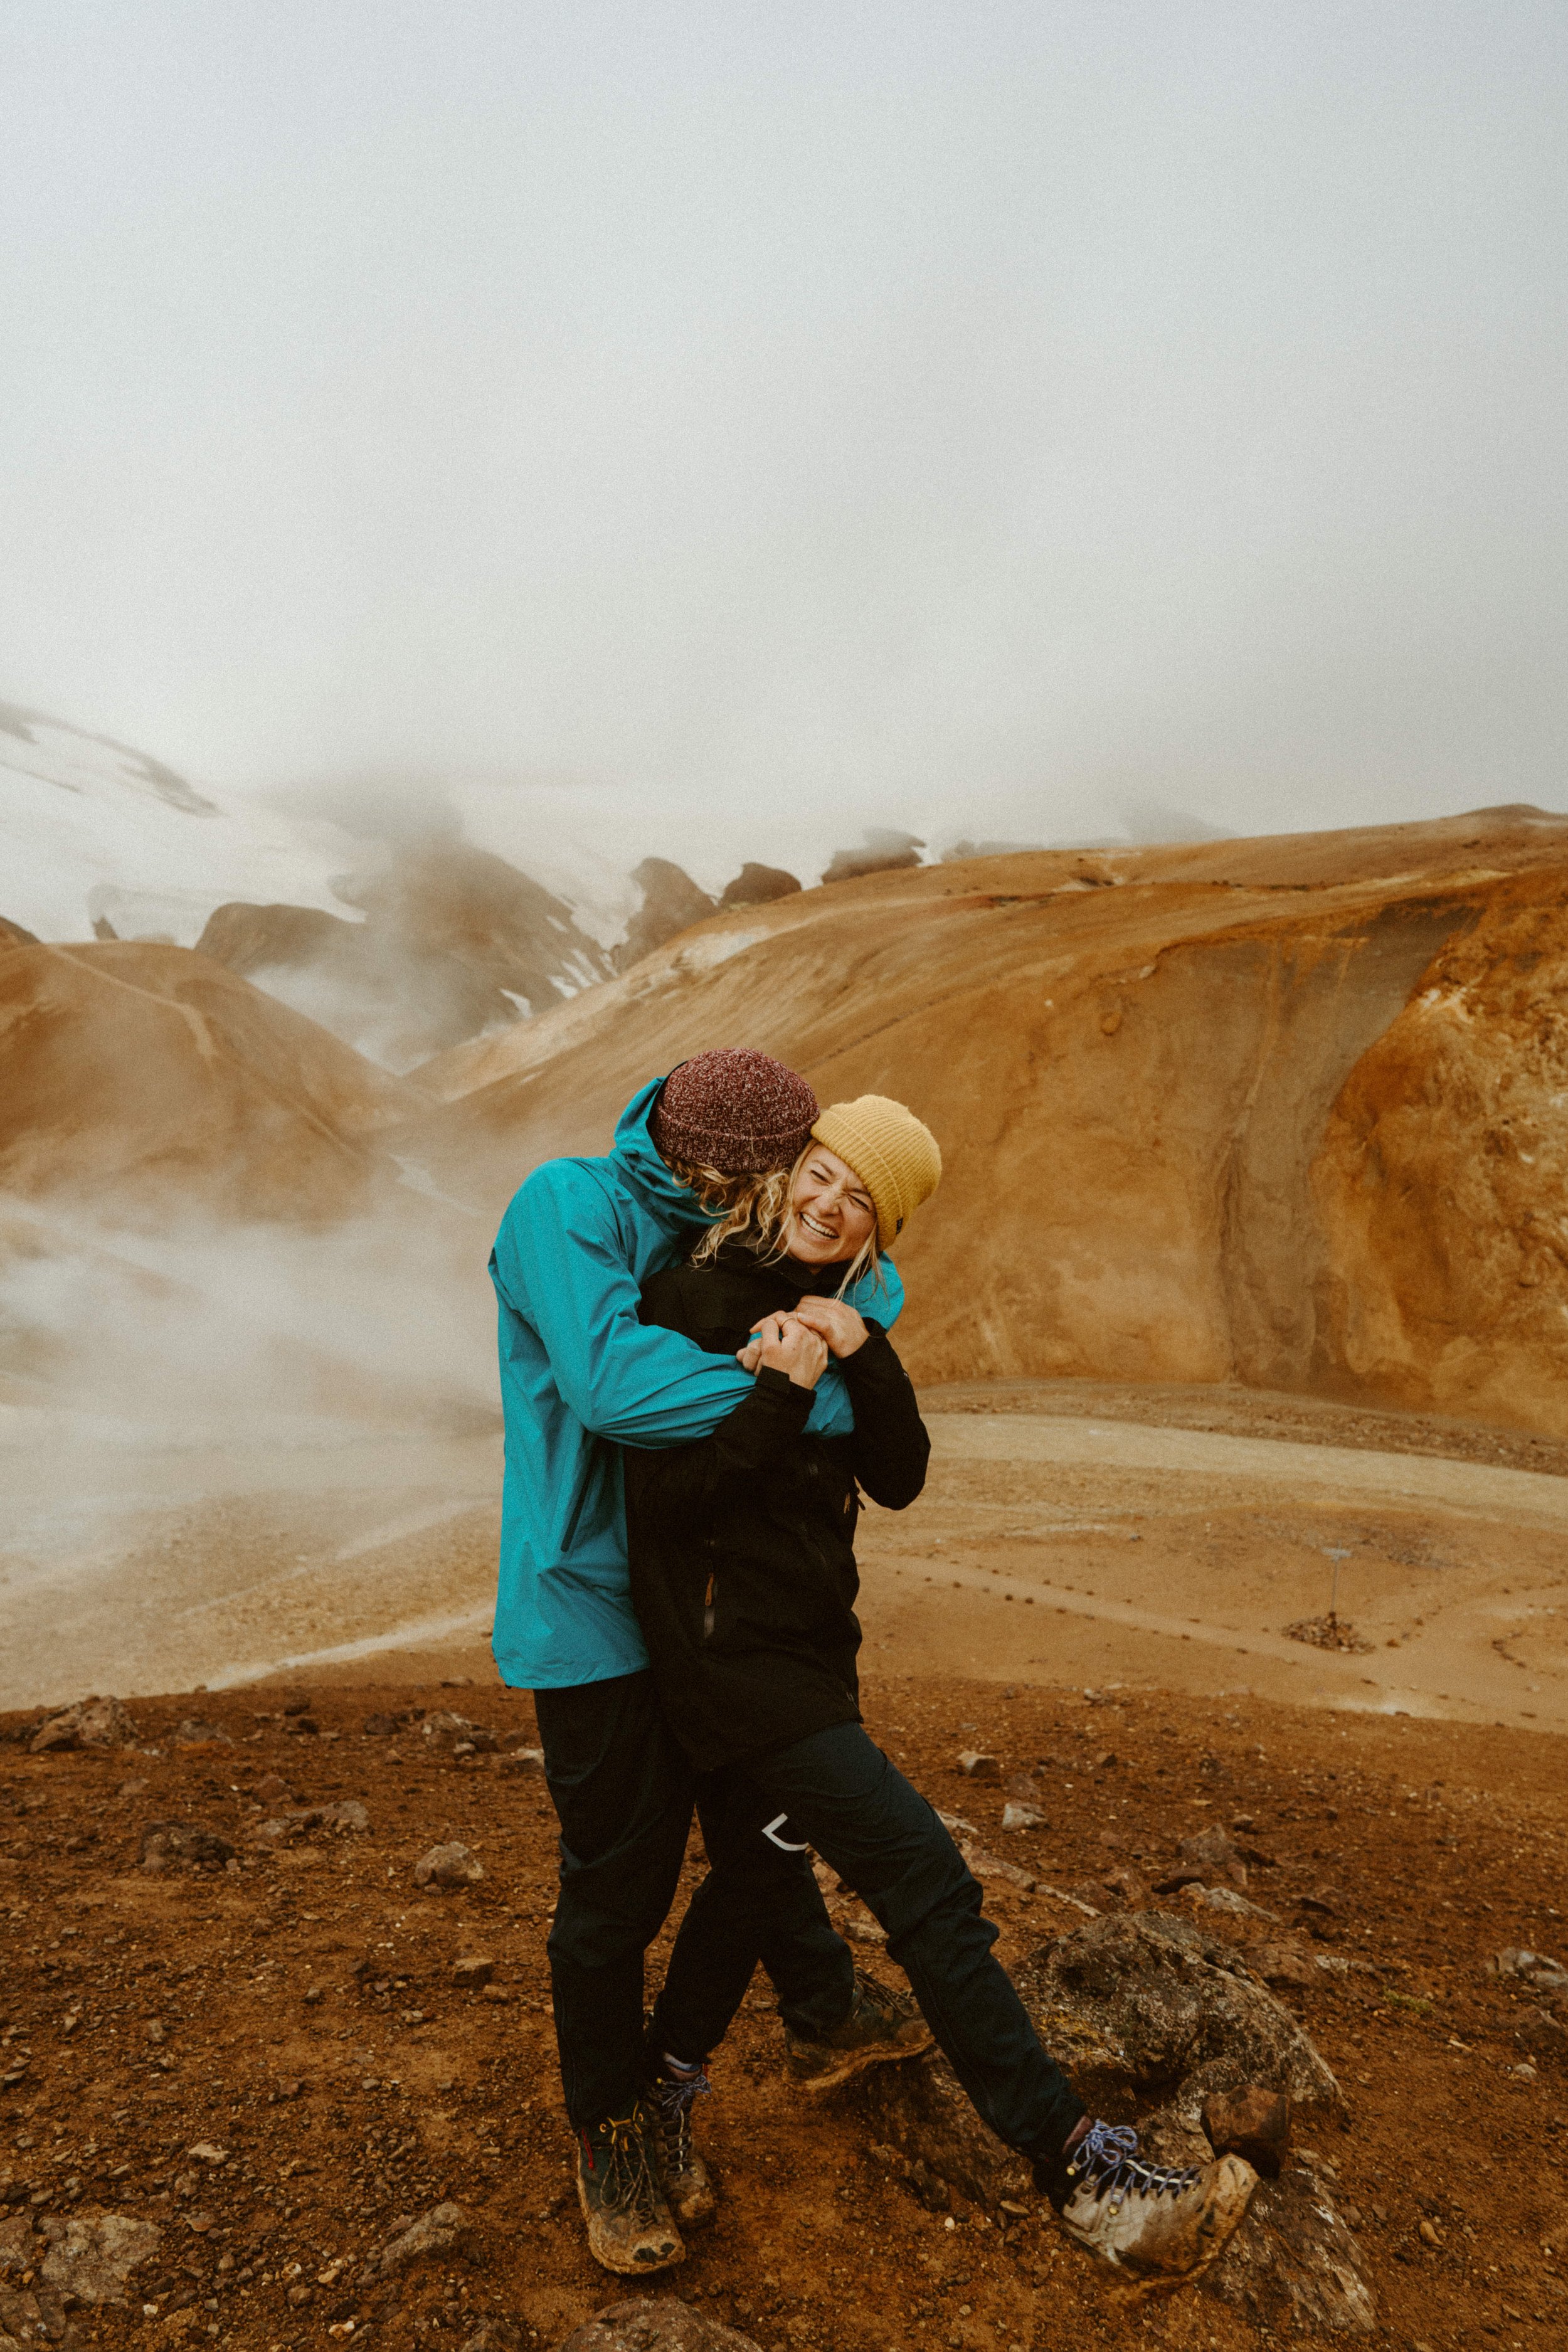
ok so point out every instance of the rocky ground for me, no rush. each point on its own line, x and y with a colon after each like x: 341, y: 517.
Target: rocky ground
x: 261, y: 2086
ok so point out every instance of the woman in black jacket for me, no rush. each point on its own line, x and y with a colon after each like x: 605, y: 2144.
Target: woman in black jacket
x: 743, y: 1577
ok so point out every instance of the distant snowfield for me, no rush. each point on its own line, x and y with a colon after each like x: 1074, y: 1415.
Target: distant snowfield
x: 92, y: 828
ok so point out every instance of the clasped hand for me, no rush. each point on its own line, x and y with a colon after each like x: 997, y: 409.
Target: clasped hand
x: 799, y: 1344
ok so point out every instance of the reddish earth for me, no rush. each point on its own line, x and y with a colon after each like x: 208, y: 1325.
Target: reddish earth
x: 299, y: 2018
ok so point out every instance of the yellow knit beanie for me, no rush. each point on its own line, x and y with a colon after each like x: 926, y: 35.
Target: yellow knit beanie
x: 893, y: 1154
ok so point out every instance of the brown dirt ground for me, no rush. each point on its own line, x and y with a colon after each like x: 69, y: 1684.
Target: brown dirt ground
x: 300, y: 2012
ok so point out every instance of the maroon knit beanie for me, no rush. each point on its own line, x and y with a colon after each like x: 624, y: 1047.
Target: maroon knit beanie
x: 735, y: 1110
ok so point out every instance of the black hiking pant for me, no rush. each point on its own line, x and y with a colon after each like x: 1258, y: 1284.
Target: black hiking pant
x: 624, y: 1793
x: 885, y: 1841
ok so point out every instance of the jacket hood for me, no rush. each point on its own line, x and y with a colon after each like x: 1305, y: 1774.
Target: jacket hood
x: 637, y: 1162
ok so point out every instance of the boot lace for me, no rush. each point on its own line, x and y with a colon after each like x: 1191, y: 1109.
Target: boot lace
x: 883, y: 2003
x: 1108, y: 2163
x: 630, y: 2185
x: 673, y: 2097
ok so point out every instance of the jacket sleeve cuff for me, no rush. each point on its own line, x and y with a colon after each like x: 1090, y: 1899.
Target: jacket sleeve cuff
x: 873, y: 1351
x: 783, y: 1396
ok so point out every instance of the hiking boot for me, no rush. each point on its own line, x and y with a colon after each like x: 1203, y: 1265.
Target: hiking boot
x: 1159, y: 2223
x: 671, y: 2094
x: 630, y: 2226
x: 881, y: 2024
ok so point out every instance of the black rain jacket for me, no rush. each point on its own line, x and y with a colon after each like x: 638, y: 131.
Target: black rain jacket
x: 743, y: 1545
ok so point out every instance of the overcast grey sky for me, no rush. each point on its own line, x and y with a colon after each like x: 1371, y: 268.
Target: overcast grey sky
x: 977, y: 417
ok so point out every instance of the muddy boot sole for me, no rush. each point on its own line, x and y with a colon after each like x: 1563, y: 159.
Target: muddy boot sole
x: 659, y: 2251
x: 845, y: 2064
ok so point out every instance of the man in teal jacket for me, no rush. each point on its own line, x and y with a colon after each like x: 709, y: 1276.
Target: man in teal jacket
x: 581, y: 1376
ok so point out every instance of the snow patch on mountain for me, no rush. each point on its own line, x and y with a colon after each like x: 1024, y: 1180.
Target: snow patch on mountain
x: 93, y: 831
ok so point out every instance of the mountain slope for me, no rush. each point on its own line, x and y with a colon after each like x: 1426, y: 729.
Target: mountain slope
x: 1193, y: 1117
x: 152, y: 1082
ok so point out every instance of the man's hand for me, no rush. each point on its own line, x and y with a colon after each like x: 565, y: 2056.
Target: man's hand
x: 784, y: 1345
x: 835, y: 1320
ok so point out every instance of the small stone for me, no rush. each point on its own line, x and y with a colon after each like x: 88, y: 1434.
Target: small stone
x: 493, y: 2336
x: 270, y: 1786
x: 195, y: 1733
x: 207, y: 2151
x: 522, y: 1760
x: 1254, y: 2123
x: 385, y: 1727
x: 1284, y: 1964
x: 656, y: 2324
x: 1212, y: 1853
x: 495, y: 1992
x: 1125, y: 1882
x: 1227, y: 1898
x: 1023, y: 1817
x: 977, y: 1765
x: 448, y: 1866
x: 165, y: 1845
x: 1533, y: 1968
x: 989, y: 1866
x: 441, y: 2232
x: 295, y: 1701
x: 473, y: 1971
x: 1429, y: 2235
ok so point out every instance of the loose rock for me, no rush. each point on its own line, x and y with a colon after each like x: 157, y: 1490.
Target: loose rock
x: 1212, y: 1852
x: 1023, y: 1817
x: 655, y: 2324
x: 168, y: 1845
x: 989, y: 1866
x: 443, y: 2231
x: 1533, y: 1968
x: 91, y: 1723
x: 195, y: 1733
x: 1254, y: 2123
x: 1283, y: 1964
x: 448, y: 1866
x: 91, y: 2255
x: 977, y: 1765
x: 474, y: 1971
x: 521, y: 1759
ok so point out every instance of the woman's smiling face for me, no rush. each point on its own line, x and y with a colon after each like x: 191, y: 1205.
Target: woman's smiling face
x: 831, y: 1214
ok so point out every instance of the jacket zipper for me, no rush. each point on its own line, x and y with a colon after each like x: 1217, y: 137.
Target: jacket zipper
x: 709, y: 1610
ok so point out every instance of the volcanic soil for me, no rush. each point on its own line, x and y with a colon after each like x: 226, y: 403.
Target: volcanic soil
x: 274, y: 2060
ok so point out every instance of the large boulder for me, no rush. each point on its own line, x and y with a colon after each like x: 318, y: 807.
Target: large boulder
x: 1144, y: 2005
x: 1152, y: 2018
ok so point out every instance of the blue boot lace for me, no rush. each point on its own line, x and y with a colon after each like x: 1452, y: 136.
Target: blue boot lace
x: 673, y: 2097
x: 1106, y: 2163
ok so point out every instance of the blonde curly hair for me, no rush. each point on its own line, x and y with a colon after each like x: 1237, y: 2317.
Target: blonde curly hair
x: 755, y: 1209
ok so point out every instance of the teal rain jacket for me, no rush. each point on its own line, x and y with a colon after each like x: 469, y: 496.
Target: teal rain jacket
x: 581, y: 1376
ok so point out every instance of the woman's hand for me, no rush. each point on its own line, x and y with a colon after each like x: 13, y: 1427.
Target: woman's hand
x: 784, y: 1345
x: 835, y: 1320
